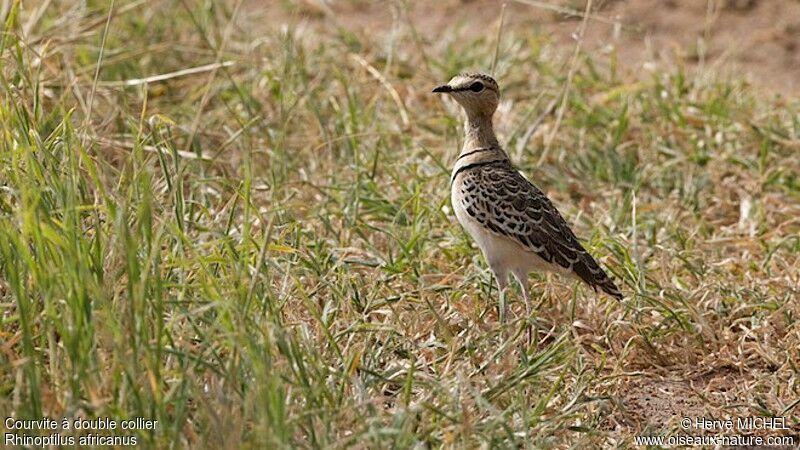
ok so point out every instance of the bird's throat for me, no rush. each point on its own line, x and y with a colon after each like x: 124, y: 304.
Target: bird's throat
x: 479, y: 132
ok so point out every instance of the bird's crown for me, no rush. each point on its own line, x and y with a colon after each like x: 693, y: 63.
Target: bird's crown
x: 474, y: 82
x: 488, y: 81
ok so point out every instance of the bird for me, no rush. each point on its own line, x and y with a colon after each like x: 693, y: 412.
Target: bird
x: 513, y: 222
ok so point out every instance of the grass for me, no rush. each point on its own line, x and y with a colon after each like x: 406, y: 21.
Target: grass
x: 261, y: 252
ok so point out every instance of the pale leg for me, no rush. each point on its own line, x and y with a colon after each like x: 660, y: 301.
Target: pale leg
x: 502, y: 284
x: 522, y: 279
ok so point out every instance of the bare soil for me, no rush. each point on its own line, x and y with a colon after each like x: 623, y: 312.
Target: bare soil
x: 758, y: 40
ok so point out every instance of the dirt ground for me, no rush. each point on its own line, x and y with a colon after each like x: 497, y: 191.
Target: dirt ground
x: 756, y: 39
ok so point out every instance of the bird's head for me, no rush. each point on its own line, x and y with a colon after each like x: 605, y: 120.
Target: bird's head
x: 477, y: 93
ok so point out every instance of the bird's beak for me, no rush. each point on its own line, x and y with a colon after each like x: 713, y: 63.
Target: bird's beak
x: 443, y: 88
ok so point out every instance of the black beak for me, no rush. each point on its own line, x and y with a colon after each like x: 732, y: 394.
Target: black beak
x: 443, y: 88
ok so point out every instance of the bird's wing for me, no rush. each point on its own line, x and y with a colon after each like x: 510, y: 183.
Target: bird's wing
x: 506, y: 203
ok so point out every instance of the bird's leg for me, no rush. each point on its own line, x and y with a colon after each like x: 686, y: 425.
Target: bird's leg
x: 503, y: 306
x: 502, y: 284
x: 526, y: 293
x: 522, y: 278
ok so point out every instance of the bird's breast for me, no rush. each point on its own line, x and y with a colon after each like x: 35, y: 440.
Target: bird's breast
x: 486, y: 240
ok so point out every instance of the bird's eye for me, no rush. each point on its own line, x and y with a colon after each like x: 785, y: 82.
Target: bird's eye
x: 476, y: 86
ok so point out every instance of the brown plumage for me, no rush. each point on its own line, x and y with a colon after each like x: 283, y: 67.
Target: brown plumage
x: 502, y: 200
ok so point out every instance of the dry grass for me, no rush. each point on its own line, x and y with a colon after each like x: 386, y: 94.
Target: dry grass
x: 261, y: 252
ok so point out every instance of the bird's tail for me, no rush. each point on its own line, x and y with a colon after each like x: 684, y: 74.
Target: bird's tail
x: 608, y: 286
x: 594, y: 275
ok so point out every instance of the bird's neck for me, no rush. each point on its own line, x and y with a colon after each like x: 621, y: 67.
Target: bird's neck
x: 479, y: 132
x: 480, y: 144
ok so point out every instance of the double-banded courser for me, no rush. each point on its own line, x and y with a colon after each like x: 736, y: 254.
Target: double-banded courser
x: 515, y: 225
